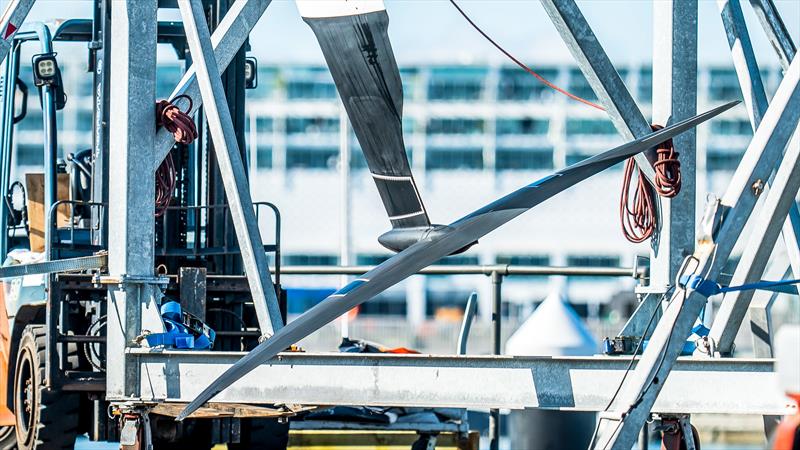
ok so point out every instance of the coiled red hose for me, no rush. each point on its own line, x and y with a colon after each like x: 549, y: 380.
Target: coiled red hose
x: 638, y: 214
x: 182, y: 127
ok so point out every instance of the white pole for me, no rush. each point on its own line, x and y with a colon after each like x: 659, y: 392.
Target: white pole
x: 344, y: 195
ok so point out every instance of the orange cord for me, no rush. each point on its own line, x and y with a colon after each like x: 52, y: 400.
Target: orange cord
x: 522, y: 65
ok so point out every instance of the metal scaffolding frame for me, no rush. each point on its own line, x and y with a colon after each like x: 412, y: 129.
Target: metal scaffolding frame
x: 139, y: 375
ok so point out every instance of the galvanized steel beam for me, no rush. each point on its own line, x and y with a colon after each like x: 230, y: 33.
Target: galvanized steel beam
x: 226, y: 40
x: 132, y: 305
x: 776, y: 30
x: 231, y: 166
x: 568, y: 383
x: 601, y: 74
x: 675, y: 99
x: 619, y: 428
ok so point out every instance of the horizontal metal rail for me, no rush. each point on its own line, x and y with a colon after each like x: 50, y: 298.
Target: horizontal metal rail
x: 501, y: 269
x: 59, y: 265
x: 569, y: 383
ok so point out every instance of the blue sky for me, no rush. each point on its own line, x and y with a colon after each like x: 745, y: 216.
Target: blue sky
x: 433, y: 31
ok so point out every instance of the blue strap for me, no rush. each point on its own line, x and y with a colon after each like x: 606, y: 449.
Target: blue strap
x: 708, y: 288
x: 177, y: 334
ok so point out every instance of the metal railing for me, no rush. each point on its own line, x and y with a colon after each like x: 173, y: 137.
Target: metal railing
x: 496, y: 273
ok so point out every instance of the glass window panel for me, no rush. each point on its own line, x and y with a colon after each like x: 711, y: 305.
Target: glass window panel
x: 517, y: 85
x: 523, y: 158
x: 455, y: 126
x: 311, y: 158
x: 453, y: 158
x: 523, y: 260
x: 525, y: 126
x: 577, y: 127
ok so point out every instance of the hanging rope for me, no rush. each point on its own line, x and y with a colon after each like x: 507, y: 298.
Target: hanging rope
x: 183, y: 129
x: 638, y: 213
x: 521, y: 64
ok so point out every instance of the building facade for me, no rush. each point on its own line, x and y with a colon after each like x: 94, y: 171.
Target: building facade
x: 473, y: 134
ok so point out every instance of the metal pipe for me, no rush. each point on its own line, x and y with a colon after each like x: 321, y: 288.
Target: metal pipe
x: 497, y: 319
x: 503, y: 269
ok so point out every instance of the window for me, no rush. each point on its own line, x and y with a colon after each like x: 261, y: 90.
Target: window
x: 264, y: 124
x: 408, y: 75
x: 525, y: 126
x: 518, y: 85
x: 298, y: 125
x: 311, y: 158
x: 724, y: 85
x: 523, y: 260
x: 578, y: 85
x: 459, y: 260
x: 30, y: 155
x: 574, y: 157
x: 371, y: 259
x: 523, y: 158
x: 267, y: 80
x: 723, y: 159
x: 455, y: 126
x: 310, y: 260
x: 309, y: 83
x: 264, y: 157
x: 456, y: 83
x: 593, y: 260
x: 731, y: 128
x: 453, y: 158
x: 577, y: 127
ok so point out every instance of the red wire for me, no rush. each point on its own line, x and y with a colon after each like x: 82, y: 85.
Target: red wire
x: 183, y: 129
x: 522, y: 65
x: 638, y: 218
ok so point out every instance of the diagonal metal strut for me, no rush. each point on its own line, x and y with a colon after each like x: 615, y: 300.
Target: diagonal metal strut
x: 231, y: 166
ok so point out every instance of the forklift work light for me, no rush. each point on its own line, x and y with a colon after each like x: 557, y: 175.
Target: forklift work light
x: 250, y: 73
x: 45, y: 69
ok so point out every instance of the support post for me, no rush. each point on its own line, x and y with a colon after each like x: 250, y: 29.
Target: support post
x: 344, y: 207
x: 675, y: 99
x: 132, y: 300
x: 231, y: 167
x: 619, y: 427
x: 497, y: 319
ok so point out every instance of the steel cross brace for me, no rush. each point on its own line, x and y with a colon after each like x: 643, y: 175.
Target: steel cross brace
x: 226, y: 40
x: 776, y: 31
x: 231, y: 166
x: 601, y: 74
x: 754, y: 260
x: 13, y: 16
x: 619, y: 428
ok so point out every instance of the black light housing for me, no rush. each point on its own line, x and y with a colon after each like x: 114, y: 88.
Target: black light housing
x: 45, y: 69
x: 250, y: 73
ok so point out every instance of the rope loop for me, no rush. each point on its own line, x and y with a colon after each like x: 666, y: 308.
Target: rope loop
x: 183, y: 129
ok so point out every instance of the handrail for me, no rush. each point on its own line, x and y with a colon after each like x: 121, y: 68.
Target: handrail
x: 501, y: 269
